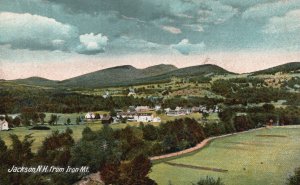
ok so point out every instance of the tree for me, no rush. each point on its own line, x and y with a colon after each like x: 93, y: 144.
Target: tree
x: 150, y: 132
x: 68, y: 121
x: 19, y: 154
x: 78, y: 120
x: 110, y: 173
x: 113, y: 113
x: 97, y: 116
x: 268, y: 107
x: 53, y: 119
x: 42, y: 117
x: 134, y: 172
x: 205, y: 115
x: 295, y: 179
x: 243, y: 123
x: 9, y: 120
x: 27, y: 114
x: 209, y: 181
x: 17, y: 121
x: 56, y: 148
x: 35, y: 118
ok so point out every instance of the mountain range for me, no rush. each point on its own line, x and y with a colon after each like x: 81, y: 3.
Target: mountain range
x: 129, y: 75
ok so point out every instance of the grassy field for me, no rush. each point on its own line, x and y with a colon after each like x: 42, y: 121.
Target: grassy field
x: 263, y: 157
x: 39, y: 135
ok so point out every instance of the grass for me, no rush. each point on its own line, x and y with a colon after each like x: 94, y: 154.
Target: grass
x: 40, y: 135
x: 164, y: 117
x: 249, y: 159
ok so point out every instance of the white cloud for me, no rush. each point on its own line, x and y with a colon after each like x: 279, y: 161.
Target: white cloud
x: 185, y: 47
x: 91, y: 43
x: 42, y: 33
x: 266, y: 10
x: 290, y: 22
x: 135, y: 45
x: 195, y: 27
x: 214, y: 12
x: 34, y: 31
x: 171, y: 29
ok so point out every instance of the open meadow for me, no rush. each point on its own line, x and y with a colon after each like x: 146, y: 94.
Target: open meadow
x: 262, y: 157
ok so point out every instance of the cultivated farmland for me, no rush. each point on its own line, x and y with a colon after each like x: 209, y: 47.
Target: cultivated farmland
x: 262, y: 157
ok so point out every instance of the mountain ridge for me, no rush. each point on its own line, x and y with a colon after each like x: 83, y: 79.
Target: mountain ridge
x: 287, y: 67
x: 129, y: 75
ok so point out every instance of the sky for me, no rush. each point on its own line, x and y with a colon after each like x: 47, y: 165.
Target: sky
x: 60, y: 39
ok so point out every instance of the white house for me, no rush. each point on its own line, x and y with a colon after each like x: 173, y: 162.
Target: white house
x: 131, y: 94
x: 178, y: 108
x: 143, y: 117
x: 157, y: 107
x: 90, y: 115
x: 167, y: 110
x: 178, y: 112
x: 3, y: 125
x: 106, y: 95
x: 139, y: 117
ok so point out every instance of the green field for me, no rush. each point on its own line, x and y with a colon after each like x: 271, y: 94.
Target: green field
x: 262, y: 157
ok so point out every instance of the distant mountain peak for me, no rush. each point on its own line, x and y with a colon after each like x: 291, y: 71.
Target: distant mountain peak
x: 122, y: 67
x: 286, y: 68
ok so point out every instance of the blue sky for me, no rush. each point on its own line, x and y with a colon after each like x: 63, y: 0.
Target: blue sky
x: 104, y: 33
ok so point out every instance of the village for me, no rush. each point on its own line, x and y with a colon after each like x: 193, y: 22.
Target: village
x: 146, y: 114
x: 131, y: 114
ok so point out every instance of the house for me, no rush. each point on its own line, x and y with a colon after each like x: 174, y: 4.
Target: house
x: 179, y: 112
x: 116, y: 120
x: 107, y: 119
x: 178, y: 108
x: 128, y: 115
x: 90, y: 115
x: 157, y: 107
x: 217, y: 109
x: 142, y: 108
x: 3, y: 125
x: 106, y: 95
x: 131, y: 92
x: 185, y: 111
x: 172, y: 113
x: 195, y: 109
x: 143, y: 117
x: 167, y: 110
x: 138, y: 117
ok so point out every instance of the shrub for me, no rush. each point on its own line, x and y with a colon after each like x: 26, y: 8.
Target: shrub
x: 39, y: 128
x: 209, y: 181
